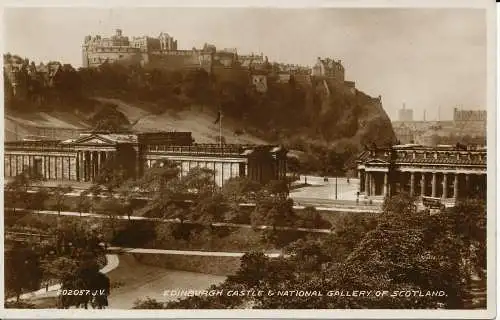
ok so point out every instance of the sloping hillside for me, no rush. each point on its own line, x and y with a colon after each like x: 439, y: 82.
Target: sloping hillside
x: 64, y: 124
x: 198, y: 120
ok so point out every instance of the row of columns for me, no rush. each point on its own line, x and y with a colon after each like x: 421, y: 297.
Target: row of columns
x: 423, y: 184
x: 89, y: 163
x: 371, y: 184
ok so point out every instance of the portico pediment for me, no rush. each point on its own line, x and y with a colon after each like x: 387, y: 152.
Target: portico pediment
x: 93, y: 140
x: 376, y: 162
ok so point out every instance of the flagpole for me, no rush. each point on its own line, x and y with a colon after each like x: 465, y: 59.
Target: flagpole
x: 220, y: 129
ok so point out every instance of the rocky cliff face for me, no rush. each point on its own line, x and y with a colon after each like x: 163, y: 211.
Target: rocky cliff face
x: 341, y: 116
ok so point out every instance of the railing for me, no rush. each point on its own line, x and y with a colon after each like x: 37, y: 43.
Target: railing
x: 38, y: 146
x: 26, y: 236
x: 199, y: 149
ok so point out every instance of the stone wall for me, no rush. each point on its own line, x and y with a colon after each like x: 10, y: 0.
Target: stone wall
x: 171, y: 61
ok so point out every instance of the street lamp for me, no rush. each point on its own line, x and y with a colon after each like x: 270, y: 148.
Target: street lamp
x: 335, y: 186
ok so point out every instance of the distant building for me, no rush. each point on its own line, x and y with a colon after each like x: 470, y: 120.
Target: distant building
x: 469, y: 124
x: 159, y: 52
x: 405, y: 114
x: 82, y: 159
x: 469, y: 115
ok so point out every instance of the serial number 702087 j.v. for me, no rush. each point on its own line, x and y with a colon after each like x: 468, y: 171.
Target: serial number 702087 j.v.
x: 81, y: 292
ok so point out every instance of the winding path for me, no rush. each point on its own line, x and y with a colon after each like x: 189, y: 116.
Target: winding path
x: 112, y: 262
x: 187, y: 252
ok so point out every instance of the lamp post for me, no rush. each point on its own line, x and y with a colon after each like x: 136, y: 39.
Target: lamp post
x: 336, y: 187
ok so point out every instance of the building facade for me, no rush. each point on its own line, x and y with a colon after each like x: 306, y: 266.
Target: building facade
x: 445, y: 172
x: 405, y: 114
x: 82, y: 159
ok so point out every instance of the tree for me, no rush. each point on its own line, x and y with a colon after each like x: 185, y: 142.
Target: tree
x: 253, y: 269
x: 95, y: 285
x: 199, y: 181
x: 278, y: 188
x: 468, y: 220
x: 111, y: 176
x: 311, y: 218
x: 59, y: 196
x: 157, y: 178
x: 113, y: 208
x: 147, y: 304
x: 274, y: 212
x: 22, y: 271
x: 125, y: 197
x: 84, y: 203
x: 238, y: 189
x: 210, y: 209
x: 108, y: 118
x: 406, y: 250
x: 60, y: 268
x: 16, y: 189
x: 37, y: 200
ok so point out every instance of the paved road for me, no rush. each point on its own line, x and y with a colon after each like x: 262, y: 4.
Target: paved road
x: 317, y: 188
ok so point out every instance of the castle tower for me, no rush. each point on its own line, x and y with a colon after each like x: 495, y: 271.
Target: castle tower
x: 85, y: 48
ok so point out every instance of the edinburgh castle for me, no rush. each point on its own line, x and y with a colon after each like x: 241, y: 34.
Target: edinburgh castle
x: 226, y: 64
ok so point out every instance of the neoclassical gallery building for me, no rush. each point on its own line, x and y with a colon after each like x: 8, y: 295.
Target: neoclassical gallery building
x: 443, y: 172
x: 82, y: 159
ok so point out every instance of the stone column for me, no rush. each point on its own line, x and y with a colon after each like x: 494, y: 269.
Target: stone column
x: 91, y: 173
x: 86, y: 157
x: 367, y: 183
x: 445, y: 185
x: 467, y: 183
x: 81, y: 158
x: 455, y: 187
x: 385, y: 183
x: 373, y: 184
x: 99, y: 161
x: 361, y: 181
x: 422, y: 184
x: 77, y: 164
x: 433, y: 184
x: 412, y: 184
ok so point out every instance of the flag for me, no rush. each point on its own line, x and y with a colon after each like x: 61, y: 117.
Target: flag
x: 219, y: 116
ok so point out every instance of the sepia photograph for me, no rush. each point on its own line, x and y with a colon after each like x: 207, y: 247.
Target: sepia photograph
x: 249, y: 158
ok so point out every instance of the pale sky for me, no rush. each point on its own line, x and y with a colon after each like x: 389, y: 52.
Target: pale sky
x: 427, y: 58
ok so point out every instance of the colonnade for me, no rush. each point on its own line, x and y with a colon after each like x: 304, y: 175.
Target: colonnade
x: 89, y: 163
x: 443, y: 185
